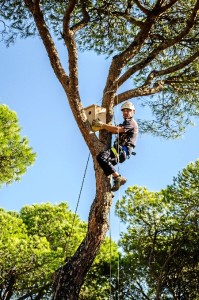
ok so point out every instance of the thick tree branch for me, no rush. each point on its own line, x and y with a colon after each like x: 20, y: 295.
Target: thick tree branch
x: 160, y: 8
x: 67, y: 15
x: 68, y: 36
x: 122, y: 59
x: 132, y: 20
x: 119, y: 61
x: 73, y: 91
x: 48, y: 42
x: 163, y: 46
x: 144, y: 90
x: 85, y: 19
x: 177, y: 67
x: 69, y: 83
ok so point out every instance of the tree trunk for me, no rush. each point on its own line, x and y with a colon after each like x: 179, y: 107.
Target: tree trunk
x: 70, y: 277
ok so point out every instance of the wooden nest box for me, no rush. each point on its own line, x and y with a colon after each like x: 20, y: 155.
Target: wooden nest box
x: 95, y: 112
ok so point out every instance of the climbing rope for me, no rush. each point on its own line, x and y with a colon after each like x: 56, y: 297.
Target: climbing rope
x: 118, y: 261
x: 110, y: 258
x: 78, y: 200
x: 110, y: 238
x: 73, y: 222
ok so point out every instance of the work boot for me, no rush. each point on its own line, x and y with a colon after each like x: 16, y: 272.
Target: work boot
x: 118, y: 181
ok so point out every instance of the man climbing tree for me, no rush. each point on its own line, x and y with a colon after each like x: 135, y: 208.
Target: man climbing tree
x: 122, y: 149
x: 153, y: 45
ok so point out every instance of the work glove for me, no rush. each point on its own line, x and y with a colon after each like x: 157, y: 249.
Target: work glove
x: 97, y: 125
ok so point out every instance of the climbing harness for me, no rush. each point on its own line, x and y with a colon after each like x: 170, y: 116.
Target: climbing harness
x: 122, y: 152
x: 115, y: 152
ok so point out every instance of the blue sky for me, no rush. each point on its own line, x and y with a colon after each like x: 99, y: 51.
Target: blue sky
x: 29, y: 86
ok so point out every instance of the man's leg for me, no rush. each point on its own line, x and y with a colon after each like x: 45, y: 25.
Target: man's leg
x: 107, y: 161
x: 104, y: 159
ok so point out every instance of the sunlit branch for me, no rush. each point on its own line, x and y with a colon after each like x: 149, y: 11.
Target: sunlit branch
x: 67, y: 16
x: 163, y: 46
x: 121, y: 60
x: 144, y: 90
x: 179, y: 66
x: 48, y: 41
x: 85, y: 19
x: 68, y: 36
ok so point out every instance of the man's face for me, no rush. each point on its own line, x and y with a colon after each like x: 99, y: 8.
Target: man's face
x: 127, y: 113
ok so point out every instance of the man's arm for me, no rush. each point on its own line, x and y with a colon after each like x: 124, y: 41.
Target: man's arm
x: 112, y: 128
x: 99, y: 125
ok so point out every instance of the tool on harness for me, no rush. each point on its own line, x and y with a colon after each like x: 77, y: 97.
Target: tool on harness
x: 124, y: 152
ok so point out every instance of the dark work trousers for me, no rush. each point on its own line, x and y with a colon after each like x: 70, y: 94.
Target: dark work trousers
x: 107, y: 161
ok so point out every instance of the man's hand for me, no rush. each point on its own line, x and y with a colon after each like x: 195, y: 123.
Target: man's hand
x: 97, y: 125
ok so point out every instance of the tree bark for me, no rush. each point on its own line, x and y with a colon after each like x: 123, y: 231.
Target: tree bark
x: 70, y: 277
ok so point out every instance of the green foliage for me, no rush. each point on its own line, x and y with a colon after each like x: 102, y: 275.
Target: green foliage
x: 161, y: 242
x: 25, y: 261
x: 55, y: 223
x: 15, y: 153
x: 35, y: 243
x: 169, y: 50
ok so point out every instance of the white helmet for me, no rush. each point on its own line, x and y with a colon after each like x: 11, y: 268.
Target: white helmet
x: 128, y: 105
